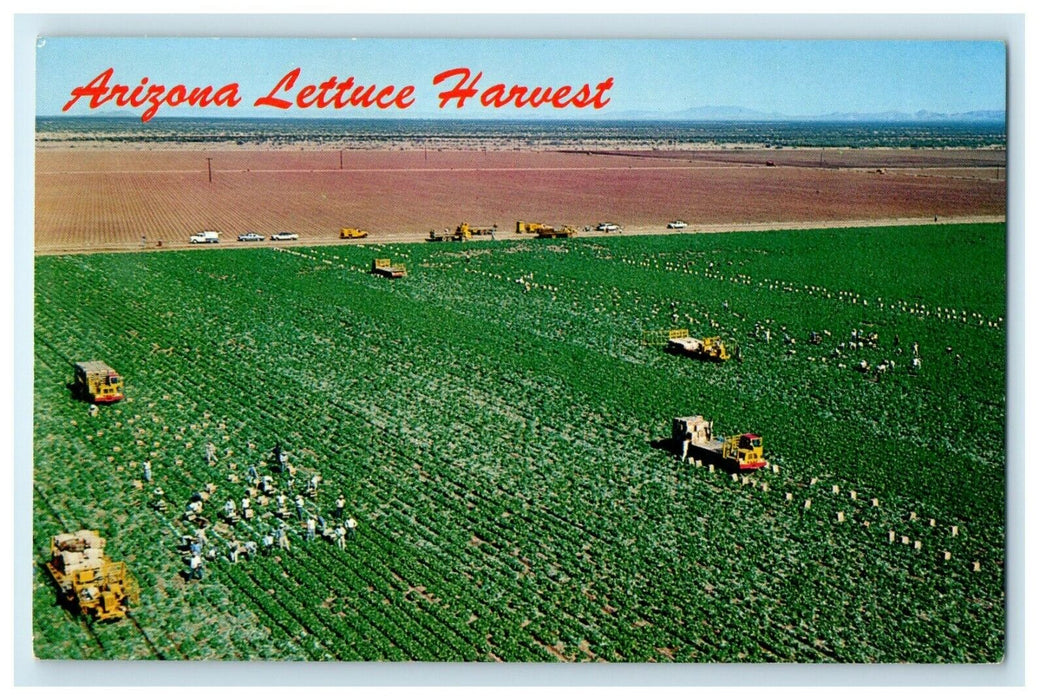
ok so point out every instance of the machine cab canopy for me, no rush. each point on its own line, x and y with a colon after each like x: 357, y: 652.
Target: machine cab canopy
x: 751, y: 440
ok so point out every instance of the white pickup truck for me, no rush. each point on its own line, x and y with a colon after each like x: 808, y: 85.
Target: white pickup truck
x: 204, y: 237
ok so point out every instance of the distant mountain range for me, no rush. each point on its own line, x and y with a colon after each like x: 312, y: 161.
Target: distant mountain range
x: 743, y: 114
x: 697, y: 114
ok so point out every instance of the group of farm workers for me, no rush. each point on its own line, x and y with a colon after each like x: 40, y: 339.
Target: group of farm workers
x: 260, y: 490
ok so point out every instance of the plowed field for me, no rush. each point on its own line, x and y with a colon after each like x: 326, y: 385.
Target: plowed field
x: 108, y: 200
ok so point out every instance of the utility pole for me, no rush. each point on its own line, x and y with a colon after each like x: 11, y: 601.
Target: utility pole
x: 208, y: 170
x: 341, y: 160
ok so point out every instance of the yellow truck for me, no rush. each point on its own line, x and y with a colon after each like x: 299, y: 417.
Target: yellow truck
x: 353, y: 233
x: 97, y: 382
x: 87, y: 579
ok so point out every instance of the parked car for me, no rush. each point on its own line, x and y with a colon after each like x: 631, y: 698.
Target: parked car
x: 607, y: 227
x: 677, y: 224
x: 250, y: 236
x: 204, y: 237
x: 284, y: 236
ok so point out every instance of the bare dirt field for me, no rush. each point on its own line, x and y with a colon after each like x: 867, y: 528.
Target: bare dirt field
x: 93, y: 200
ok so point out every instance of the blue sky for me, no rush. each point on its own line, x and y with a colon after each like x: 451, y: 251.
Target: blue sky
x: 789, y: 77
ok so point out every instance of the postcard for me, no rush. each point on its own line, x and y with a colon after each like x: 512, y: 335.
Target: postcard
x: 668, y: 351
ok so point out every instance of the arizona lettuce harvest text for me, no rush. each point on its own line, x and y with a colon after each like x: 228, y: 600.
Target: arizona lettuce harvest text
x: 340, y: 94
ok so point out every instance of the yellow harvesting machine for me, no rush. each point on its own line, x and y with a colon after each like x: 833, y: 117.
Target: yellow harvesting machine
x: 353, y: 233
x: 464, y: 232
x: 544, y: 230
x: 712, y: 348
x: 741, y: 452
x: 88, y: 579
x: 386, y: 268
x: 97, y: 382
x: 679, y: 342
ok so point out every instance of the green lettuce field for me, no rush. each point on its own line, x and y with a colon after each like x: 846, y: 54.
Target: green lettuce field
x: 499, y: 430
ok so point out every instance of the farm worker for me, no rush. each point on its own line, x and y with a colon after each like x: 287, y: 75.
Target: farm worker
x: 915, y: 349
x: 147, y: 472
x: 266, y: 484
x: 196, y: 567
x: 341, y: 536
x: 230, y: 508
x: 245, y: 504
x: 267, y: 542
x: 92, y: 410
x: 281, y: 501
x: 250, y: 548
x: 299, y: 503
x: 339, y: 507
x: 280, y: 457
x: 282, y: 538
x: 686, y: 444
x: 234, y: 551
x: 253, y: 474
x: 201, y: 535
x: 322, y: 522
x: 896, y: 340
x: 314, y: 482
x: 916, y: 363
x: 195, y: 548
x: 211, y: 451
x: 767, y: 334
x: 310, y: 527
x: 351, y: 526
